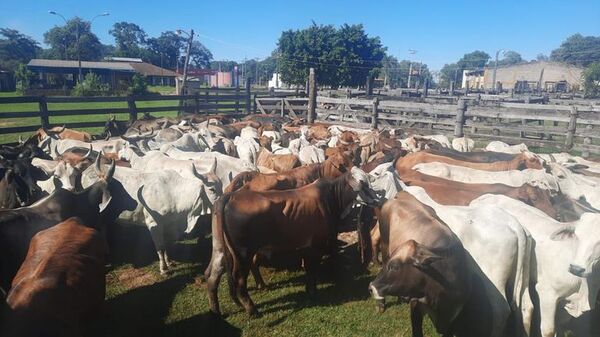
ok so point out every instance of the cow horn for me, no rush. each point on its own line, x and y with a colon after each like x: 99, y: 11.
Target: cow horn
x: 63, y: 129
x: 111, y: 171
x: 213, y: 167
x: 89, y: 153
x: 21, y: 140
x: 552, y: 159
x: 97, y: 164
x: 108, y: 135
x: 56, y: 150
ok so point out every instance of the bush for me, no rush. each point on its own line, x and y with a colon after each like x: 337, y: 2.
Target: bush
x: 591, y: 80
x: 91, y: 86
x: 138, y: 85
x: 23, y: 78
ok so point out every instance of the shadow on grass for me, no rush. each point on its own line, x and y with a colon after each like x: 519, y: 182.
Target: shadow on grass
x: 205, y: 324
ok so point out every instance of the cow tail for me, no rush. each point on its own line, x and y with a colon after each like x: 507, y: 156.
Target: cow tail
x: 228, y: 252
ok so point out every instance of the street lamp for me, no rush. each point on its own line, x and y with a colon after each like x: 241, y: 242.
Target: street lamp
x: 187, y: 57
x: 77, y: 33
x: 496, y: 68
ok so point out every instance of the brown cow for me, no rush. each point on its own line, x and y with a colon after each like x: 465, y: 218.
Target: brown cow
x: 303, y: 220
x: 427, y: 264
x: 519, y: 162
x: 60, y: 286
x: 277, y: 162
x: 61, y: 132
x: 448, y: 192
x: 331, y: 168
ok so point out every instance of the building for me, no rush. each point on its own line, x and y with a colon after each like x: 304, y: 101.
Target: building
x: 472, y: 79
x: 59, y: 75
x: 7, y: 81
x: 275, y: 82
x: 542, y: 75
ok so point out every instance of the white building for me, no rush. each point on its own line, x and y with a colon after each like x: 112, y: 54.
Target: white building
x: 275, y: 82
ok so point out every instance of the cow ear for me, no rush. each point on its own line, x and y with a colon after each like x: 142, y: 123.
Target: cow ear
x: 417, y: 254
x: 563, y: 233
x: 395, y: 264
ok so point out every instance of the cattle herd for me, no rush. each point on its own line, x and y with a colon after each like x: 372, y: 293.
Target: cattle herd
x: 486, y: 242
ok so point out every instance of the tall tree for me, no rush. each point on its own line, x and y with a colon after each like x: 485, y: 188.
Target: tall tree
x: 63, y: 41
x: 470, y: 61
x: 591, y: 80
x: 343, y: 56
x: 510, y: 58
x: 542, y: 57
x: 16, y: 48
x: 578, y: 49
x: 200, y: 56
x: 165, y: 49
x: 129, y: 38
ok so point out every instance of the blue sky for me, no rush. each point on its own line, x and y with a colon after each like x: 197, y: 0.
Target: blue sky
x: 440, y: 31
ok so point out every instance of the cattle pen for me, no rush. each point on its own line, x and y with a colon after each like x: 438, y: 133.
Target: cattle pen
x: 557, y: 126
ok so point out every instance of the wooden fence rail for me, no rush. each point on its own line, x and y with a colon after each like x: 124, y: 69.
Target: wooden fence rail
x: 565, y: 127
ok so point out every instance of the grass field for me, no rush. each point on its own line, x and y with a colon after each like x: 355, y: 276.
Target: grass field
x: 140, y: 302
x: 22, y: 107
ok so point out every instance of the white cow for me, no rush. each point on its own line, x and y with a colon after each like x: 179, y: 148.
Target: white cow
x: 311, y: 155
x: 62, y: 175
x: 165, y: 201
x: 247, y: 148
x: 157, y: 161
x: 566, y: 159
x: 468, y: 175
x: 498, y: 146
x: 275, y: 135
x: 276, y: 148
x: 249, y: 132
x: 227, y: 167
x: 565, y: 256
x: 463, y: 144
x: 576, y: 186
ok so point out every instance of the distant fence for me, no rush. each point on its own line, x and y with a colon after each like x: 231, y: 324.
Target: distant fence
x: 39, y: 111
x: 559, y: 126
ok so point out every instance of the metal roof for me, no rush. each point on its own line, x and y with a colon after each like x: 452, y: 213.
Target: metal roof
x: 123, y: 59
x: 119, y: 66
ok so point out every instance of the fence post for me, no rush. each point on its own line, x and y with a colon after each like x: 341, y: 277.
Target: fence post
x: 237, y: 100
x: 132, y: 109
x: 585, y: 151
x: 206, y: 102
x: 254, y: 103
x: 45, y: 120
x: 571, y: 128
x: 375, y: 113
x: 451, y: 88
x: 426, y: 90
x: 247, y: 110
x: 312, y: 96
x: 461, y: 108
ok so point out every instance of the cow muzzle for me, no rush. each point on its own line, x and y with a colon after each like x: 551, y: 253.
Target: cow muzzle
x: 577, y: 270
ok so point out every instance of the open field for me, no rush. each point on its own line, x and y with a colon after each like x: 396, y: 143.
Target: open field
x: 142, y: 303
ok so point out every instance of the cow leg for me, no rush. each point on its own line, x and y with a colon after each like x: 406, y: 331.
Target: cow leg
x: 240, y: 277
x: 375, y: 237
x: 157, y: 234
x: 254, y: 268
x: 213, y: 275
x: 547, y: 311
x: 527, y: 312
x: 311, y: 264
x: 416, y: 318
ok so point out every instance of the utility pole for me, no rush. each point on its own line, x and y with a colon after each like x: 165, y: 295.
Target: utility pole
x: 411, y: 52
x: 187, y: 58
x: 495, y: 70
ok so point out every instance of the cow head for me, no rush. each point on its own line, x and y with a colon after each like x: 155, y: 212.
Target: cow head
x: 100, y: 191
x: 336, y: 165
x: 528, y: 160
x: 212, y: 184
x: 587, y: 253
x: 361, y: 185
x: 401, y: 276
x: 537, y: 198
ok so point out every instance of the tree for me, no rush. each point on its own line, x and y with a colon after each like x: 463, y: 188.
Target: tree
x: 578, y: 49
x: 541, y: 57
x: 23, y: 77
x: 91, y: 85
x: 470, y: 61
x: 200, y: 56
x: 138, y: 86
x: 223, y: 65
x: 165, y: 49
x: 510, y: 58
x: 129, y: 38
x: 591, y: 80
x: 16, y: 49
x: 63, y: 41
x: 341, y: 57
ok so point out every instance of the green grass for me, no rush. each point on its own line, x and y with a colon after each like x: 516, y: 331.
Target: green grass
x: 162, y: 89
x: 23, y: 107
x: 177, y: 305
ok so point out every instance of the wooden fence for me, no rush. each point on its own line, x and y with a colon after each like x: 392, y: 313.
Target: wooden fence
x: 565, y: 127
